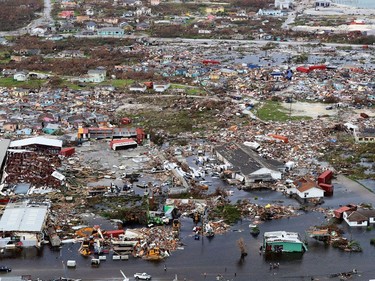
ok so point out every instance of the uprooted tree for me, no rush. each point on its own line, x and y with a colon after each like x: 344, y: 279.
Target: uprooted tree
x: 241, y: 244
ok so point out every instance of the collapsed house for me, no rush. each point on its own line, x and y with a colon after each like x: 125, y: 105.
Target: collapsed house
x: 32, y: 161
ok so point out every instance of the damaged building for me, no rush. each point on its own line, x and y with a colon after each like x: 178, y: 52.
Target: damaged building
x: 32, y: 161
x: 247, y: 166
x: 22, y: 224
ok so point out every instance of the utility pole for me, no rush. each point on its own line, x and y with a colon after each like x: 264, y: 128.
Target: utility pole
x: 290, y: 107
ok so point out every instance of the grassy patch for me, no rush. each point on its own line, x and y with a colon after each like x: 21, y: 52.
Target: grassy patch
x: 274, y: 111
x: 175, y: 115
x: 119, y: 83
x: 190, y: 90
x: 30, y: 84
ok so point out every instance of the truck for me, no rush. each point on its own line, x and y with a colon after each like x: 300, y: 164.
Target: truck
x: 142, y: 276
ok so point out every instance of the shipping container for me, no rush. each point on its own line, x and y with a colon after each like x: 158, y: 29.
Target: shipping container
x: 210, y: 62
x: 303, y: 69
x: 67, y: 151
x: 122, y: 144
x: 340, y: 211
x: 325, y: 177
x: 320, y: 67
x: 328, y: 188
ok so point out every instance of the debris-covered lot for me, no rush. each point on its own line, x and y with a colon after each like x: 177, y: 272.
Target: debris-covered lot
x: 208, y: 146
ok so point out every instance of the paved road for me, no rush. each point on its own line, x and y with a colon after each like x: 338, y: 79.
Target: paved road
x: 357, y: 189
x: 299, y: 9
x: 45, y: 19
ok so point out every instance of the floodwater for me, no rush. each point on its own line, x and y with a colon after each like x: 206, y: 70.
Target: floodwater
x: 220, y: 255
x: 205, y: 259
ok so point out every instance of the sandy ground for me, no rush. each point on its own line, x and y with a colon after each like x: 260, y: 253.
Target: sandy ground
x: 307, y: 8
x: 314, y: 110
x: 337, y: 9
x: 137, y: 106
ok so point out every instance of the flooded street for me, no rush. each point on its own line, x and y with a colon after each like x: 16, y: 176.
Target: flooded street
x: 220, y: 254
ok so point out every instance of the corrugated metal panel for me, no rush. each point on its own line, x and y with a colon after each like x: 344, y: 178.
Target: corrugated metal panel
x: 36, y: 140
x: 19, y: 217
x: 4, y: 144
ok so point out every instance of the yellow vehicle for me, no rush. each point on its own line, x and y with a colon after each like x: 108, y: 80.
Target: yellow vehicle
x: 153, y: 254
x: 176, y: 225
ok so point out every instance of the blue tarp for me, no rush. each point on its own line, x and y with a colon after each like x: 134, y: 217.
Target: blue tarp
x: 252, y: 66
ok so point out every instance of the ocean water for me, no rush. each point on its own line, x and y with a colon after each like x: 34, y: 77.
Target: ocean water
x: 365, y: 4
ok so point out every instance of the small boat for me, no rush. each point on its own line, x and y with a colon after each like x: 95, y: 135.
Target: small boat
x: 254, y: 230
x: 209, y: 233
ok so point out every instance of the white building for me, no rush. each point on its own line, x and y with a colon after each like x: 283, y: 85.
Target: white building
x: 138, y: 88
x: 22, y: 225
x: 20, y: 76
x: 283, y: 4
x: 323, y: 3
x: 359, y: 217
x: 306, y: 189
x: 277, y: 13
x: 160, y: 87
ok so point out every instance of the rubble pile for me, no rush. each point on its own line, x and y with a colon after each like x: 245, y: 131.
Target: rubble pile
x: 32, y: 167
x: 267, y: 212
x: 156, y: 237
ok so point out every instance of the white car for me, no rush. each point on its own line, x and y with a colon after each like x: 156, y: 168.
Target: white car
x: 143, y: 276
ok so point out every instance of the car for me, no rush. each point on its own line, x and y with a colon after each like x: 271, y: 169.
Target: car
x: 142, y: 276
x: 5, y: 268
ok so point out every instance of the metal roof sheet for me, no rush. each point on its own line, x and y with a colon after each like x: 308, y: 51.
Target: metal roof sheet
x: 4, y: 144
x: 36, y: 140
x: 22, y: 217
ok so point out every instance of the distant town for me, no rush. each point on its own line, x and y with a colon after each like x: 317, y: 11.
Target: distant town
x: 187, y: 140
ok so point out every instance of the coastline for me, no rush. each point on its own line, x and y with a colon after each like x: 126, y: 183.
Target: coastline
x: 340, y: 9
